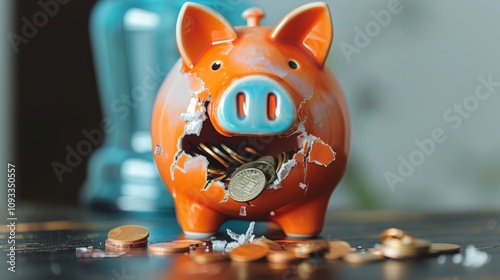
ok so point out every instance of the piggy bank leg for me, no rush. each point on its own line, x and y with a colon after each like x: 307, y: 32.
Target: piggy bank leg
x: 305, y: 220
x: 196, y: 219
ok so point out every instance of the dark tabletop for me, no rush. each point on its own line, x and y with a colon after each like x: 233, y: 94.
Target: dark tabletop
x: 46, y: 238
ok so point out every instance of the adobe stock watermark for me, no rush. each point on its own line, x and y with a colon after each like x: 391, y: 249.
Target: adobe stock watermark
x: 454, y: 117
x: 363, y: 37
x: 31, y: 27
x: 122, y: 107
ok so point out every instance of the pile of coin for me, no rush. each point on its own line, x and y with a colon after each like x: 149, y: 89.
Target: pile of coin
x: 398, y: 244
x: 395, y: 244
x: 245, y: 174
x: 127, y: 237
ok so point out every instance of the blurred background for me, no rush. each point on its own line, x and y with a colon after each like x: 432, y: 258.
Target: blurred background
x: 408, y: 69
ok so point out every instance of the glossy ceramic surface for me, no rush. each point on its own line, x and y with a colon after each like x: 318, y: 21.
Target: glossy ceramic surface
x: 219, y: 92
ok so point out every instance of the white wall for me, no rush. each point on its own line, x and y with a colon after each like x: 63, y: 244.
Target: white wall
x: 426, y: 59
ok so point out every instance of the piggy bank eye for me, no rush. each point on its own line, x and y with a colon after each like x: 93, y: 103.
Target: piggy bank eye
x: 293, y: 64
x: 216, y: 66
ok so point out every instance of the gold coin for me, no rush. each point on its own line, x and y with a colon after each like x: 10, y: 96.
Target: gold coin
x: 215, y: 171
x: 284, y: 242
x: 444, y: 248
x: 217, y: 177
x: 162, y: 248
x: 127, y: 244
x: 130, y: 251
x: 246, y: 184
x: 128, y: 233
x: 248, y: 252
x: 396, y: 249
x: 281, y: 257
x: 396, y: 233
x: 305, y: 248
x: 208, y: 257
x: 252, y: 152
x: 337, y: 249
x: 224, y: 155
x: 375, y: 251
x: 273, y: 246
x: 281, y: 159
x: 360, y: 258
x: 190, y: 242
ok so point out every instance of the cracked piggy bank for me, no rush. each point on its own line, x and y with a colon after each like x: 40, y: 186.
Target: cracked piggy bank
x: 250, y: 123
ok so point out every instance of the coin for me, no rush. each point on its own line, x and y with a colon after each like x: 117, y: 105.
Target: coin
x: 223, y: 155
x: 208, y: 151
x: 253, y: 153
x: 337, y: 249
x: 162, y: 248
x: 216, y: 171
x: 128, y: 233
x: 444, y: 248
x: 273, y: 246
x: 305, y: 248
x: 360, y: 258
x: 280, y: 162
x: 248, y: 252
x: 127, y: 244
x: 284, y: 242
x: 264, y: 166
x: 268, y: 159
x: 208, y: 257
x: 246, y: 184
x: 195, y: 242
x: 281, y: 257
x: 397, y: 234
x: 217, y: 177
x: 239, y: 158
x: 395, y: 249
x: 375, y: 251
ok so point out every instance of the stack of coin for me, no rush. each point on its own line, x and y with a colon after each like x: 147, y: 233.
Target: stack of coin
x: 168, y: 248
x: 398, y: 244
x: 127, y: 237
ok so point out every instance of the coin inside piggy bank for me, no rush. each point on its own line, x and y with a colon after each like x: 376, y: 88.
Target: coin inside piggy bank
x: 251, y: 123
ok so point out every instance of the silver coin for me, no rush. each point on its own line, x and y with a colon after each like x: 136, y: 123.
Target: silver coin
x: 264, y: 166
x: 269, y: 159
x: 246, y: 184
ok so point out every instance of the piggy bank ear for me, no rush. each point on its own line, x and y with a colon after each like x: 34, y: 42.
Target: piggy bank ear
x: 199, y: 27
x: 309, y: 26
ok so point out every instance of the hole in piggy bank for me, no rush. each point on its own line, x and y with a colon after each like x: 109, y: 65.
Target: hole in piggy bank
x: 228, y: 155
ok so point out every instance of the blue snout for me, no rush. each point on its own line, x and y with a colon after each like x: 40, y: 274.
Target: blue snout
x: 256, y: 105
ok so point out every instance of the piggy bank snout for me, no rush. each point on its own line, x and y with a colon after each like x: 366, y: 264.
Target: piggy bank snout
x: 256, y: 105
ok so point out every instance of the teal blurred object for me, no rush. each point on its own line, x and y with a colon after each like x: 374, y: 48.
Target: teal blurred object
x: 134, y: 47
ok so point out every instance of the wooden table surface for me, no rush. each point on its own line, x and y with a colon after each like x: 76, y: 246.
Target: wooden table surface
x: 46, y: 238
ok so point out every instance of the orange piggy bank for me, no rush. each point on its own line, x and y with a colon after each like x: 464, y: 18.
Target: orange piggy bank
x: 250, y: 123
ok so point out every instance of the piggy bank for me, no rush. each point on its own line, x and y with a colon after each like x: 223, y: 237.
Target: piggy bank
x: 250, y: 123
